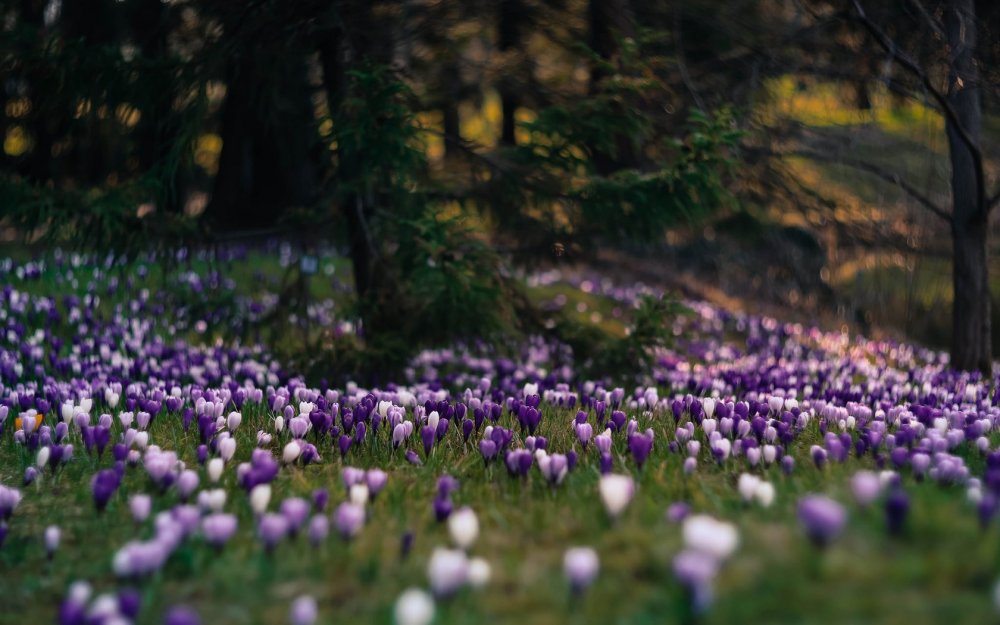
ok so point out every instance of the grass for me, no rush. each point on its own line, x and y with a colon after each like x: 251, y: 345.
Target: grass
x: 942, y: 568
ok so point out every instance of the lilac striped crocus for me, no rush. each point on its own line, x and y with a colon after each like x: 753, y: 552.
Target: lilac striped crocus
x: 554, y: 467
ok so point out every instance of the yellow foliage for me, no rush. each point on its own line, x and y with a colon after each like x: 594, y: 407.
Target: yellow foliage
x: 18, y: 107
x: 207, y: 151
x: 127, y: 114
x: 17, y: 141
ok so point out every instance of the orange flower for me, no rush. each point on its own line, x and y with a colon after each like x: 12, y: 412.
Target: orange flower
x: 38, y: 422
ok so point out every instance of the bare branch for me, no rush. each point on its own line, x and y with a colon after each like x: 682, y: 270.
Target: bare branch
x: 865, y: 166
x: 993, y: 201
x: 911, y: 65
x: 929, y: 19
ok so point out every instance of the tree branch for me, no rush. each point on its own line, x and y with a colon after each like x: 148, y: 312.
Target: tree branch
x: 911, y: 65
x: 993, y: 201
x: 870, y: 168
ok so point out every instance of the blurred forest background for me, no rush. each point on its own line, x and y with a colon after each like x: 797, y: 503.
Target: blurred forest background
x: 822, y: 158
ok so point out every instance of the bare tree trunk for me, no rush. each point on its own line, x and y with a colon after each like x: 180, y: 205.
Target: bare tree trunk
x: 609, y: 21
x: 512, y: 15
x: 971, y: 339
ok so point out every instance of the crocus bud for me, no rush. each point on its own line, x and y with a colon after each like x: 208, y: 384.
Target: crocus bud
x: 42, y: 458
x: 414, y: 607
x: 707, y: 535
x: 187, y: 483
x: 303, y: 611
x: 319, y: 529
x: 616, y: 492
x: 291, y: 452
x: 376, y: 480
x: 214, y: 469
x: 447, y: 570
x: 260, y: 497
x: 348, y: 519
x: 747, y: 485
x: 181, y: 615
x: 52, y: 535
x: 822, y: 518
x: 212, y: 500
x: 479, y: 572
x: 581, y: 566
x: 358, y: 494
x: 227, y: 448
x: 233, y: 421
x: 218, y: 528
x: 764, y: 494
x: 272, y: 529
x: 865, y: 487
x: 140, y: 505
x: 464, y: 527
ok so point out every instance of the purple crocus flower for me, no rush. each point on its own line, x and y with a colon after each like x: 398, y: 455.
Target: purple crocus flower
x: 412, y: 457
x: 442, y: 507
x: 678, y: 511
x: 822, y: 518
x: 103, y: 485
x: 320, y: 497
x: 554, y: 467
x: 696, y: 571
x: 519, y: 462
x: 303, y: 611
x: 405, y: 544
x: 348, y: 519
x: 606, y: 463
x: 319, y: 529
x: 818, y: 456
x: 427, y: 435
x: 488, y: 449
x: 581, y: 566
x: 272, y: 529
x: 181, y: 615
x: 376, y: 479
x: 897, y: 507
x: 640, y: 445
x: 584, y: 431
x: 345, y: 444
x: 218, y: 528
x: 296, y: 511
x: 129, y: 602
